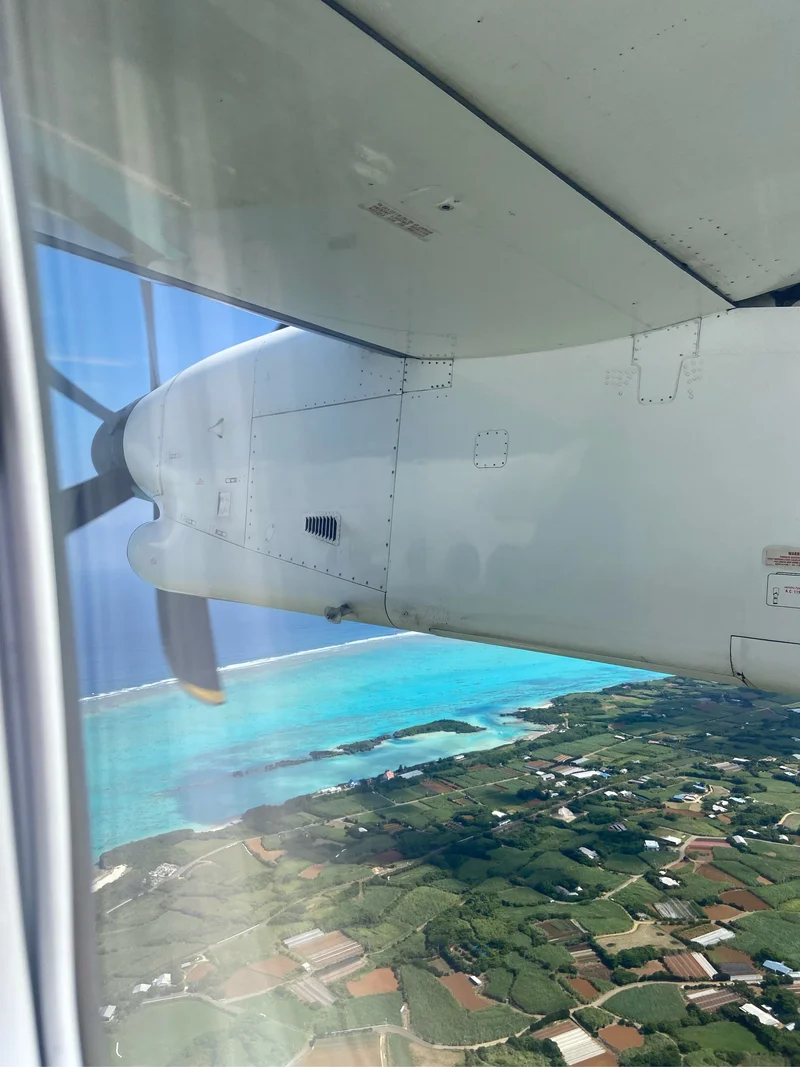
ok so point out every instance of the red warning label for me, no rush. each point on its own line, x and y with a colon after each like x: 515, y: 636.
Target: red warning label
x: 782, y: 556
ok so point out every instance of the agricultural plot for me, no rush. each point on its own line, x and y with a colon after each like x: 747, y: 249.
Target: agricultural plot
x: 644, y: 934
x: 465, y: 991
x: 596, y: 917
x: 420, y: 906
x: 438, y: 1017
x: 498, y: 983
x: 538, y: 994
x: 774, y: 933
x: 638, y: 896
x: 349, y: 1050
x: 554, y: 957
x: 361, y: 1011
x: 645, y: 1003
x: 156, y: 1033
x: 723, y: 1037
x: 780, y: 893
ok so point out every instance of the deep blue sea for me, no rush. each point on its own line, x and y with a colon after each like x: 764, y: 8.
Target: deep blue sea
x: 157, y: 760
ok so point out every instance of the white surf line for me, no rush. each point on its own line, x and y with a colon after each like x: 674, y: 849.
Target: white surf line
x: 256, y: 663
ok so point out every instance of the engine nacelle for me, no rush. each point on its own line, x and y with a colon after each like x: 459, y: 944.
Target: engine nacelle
x: 633, y: 501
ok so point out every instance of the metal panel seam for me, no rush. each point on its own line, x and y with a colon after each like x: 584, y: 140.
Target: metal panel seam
x: 455, y: 95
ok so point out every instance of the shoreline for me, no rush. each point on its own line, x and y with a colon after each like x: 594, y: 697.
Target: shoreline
x: 355, y: 748
x: 120, y: 696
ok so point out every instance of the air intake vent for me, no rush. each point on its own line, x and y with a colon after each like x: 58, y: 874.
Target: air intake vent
x: 324, y: 527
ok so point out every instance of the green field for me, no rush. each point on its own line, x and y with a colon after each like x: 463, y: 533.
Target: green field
x: 638, y: 895
x: 777, y: 934
x: 155, y: 1034
x: 399, y: 1049
x: 438, y: 1017
x: 499, y: 982
x: 536, y: 993
x: 420, y: 906
x: 360, y: 1011
x: 554, y: 957
x: 647, y: 1003
x: 625, y: 863
x: 724, y: 1036
x: 596, y: 916
x: 779, y: 894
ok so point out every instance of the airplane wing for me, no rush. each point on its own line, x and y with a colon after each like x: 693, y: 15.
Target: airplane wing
x: 449, y: 179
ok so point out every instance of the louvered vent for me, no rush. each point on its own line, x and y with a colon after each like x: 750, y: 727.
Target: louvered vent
x: 324, y: 527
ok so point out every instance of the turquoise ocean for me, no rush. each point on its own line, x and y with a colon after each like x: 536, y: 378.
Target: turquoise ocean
x: 158, y: 761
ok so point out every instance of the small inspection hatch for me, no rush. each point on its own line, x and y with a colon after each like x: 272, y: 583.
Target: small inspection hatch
x: 491, y: 448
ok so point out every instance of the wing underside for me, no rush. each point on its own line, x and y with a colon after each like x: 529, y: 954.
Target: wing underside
x: 455, y: 179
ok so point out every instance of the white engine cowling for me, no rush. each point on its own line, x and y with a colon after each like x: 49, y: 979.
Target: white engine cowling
x: 632, y: 501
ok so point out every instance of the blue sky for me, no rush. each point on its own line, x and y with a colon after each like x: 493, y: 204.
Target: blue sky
x: 94, y: 332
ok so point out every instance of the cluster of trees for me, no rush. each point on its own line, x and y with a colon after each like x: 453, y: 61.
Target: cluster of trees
x: 524, y: 1051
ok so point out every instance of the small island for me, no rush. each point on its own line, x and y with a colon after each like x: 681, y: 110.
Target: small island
x: 438, y: 726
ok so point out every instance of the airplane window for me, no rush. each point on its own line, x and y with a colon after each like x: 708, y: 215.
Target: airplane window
x: 435, y: 684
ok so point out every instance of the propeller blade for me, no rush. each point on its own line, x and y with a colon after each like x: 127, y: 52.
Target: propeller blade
x: 146, y: 289
x: 189, y: 644
x: 89, y: 500
x: 74, y: 392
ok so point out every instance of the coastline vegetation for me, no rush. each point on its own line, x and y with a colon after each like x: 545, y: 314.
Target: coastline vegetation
x: 350, y: 748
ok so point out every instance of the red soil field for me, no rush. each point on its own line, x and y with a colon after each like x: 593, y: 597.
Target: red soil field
x: 721, y: 912
x: 724, y: 954
x: 714, y: 874
x: 621, y: 1037
x: 200, y: 970
x: 437, y: 785
x: 268, y: 855
x: 312, y: 872
x: 583, y: 988
x: 379, y: 981
x: 651, y: 967
x: 465, y: 992
x: 744, y: 899
x: 702, y: 844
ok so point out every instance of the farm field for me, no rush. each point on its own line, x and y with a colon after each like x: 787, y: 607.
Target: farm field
x: 648, y: 1003
x: 724, y: 1036
x: 438, y: 1017
x: 490, y: 883
x: 644, y: 934
x: 158, y: 1033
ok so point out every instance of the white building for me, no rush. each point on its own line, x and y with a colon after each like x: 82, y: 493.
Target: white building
x: 142, y: 987
x: 164, y: 981
x: 566, y: 815
x: 651, y: 845
x: 410, y: 774
x: 671, y: 839
x: 764, y: 1017
x: 108, y: 1012
x: 589, y: 853
x: 713, y: 937
x: 500, y: 815
x: 474, y: 979
x: 669, y: 881
x: 739, y: 840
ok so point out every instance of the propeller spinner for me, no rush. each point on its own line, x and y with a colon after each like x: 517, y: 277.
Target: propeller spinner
x: 184, y: 620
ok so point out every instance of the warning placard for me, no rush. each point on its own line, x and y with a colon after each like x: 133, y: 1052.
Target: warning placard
x: 782, y: 556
